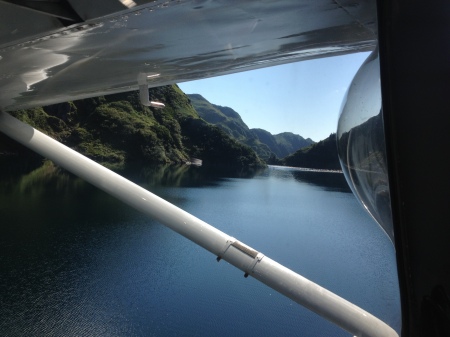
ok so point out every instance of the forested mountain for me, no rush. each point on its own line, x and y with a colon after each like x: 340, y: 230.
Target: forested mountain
x: 117, y: 130
x: 263, y: 142
x: 322, y: 155
x: 282, y: 144
x: 226, y: 118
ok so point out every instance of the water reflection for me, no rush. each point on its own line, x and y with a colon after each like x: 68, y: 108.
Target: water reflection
x: 51, y: 193
x: 185, y: 176
x: 328, y: 181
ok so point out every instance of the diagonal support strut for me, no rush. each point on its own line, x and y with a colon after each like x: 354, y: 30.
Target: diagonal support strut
x: 303, y: 291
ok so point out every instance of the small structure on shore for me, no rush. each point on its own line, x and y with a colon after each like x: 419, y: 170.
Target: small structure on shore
x: 195, y: 162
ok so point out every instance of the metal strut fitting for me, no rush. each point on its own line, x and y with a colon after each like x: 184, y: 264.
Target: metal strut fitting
x: 240, y: 255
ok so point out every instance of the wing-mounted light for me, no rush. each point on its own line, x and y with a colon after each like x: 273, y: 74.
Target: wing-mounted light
x: 361, y: 145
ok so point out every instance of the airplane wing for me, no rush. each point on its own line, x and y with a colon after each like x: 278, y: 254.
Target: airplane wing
x: 61, y: 50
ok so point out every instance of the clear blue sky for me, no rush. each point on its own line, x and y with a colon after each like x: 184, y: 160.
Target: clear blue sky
x: 303, y: 97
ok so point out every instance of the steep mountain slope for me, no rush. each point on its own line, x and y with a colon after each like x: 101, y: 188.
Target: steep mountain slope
x: 231, y: 122
x: 261, y: 141
x: 289, y: 142
x: 322, y: 155
x: 226, y: 118
x: 282, y: 144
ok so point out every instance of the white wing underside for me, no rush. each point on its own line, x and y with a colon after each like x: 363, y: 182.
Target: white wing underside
x: 102, y: 47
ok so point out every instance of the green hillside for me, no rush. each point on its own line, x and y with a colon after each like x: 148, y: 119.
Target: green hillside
x: 282, y: 144
x: 322, y: 155
x: 116, y: 130
x: 225, y: 118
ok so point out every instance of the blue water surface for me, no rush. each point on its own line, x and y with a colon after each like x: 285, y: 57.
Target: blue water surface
x: 76, y: 262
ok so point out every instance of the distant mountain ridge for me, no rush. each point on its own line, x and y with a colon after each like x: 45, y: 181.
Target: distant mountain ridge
x: 265, y: 144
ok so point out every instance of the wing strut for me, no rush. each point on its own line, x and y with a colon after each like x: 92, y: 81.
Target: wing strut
x: 323, y: 302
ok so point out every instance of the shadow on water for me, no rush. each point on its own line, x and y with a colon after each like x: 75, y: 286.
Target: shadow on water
x: 329, y: 181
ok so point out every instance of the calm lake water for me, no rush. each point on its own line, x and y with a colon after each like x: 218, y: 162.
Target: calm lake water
x: 76, y: 262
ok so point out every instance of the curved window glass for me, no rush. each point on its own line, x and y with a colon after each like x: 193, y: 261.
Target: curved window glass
x: 361, y: 145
